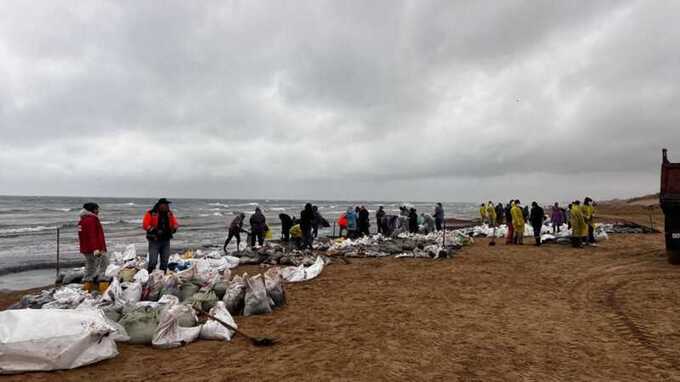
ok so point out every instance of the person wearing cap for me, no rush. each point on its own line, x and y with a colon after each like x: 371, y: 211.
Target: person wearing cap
x: 93, y: 247
x: 160, y: 224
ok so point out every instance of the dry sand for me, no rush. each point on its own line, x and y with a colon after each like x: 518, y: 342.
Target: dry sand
x: 492, y: 313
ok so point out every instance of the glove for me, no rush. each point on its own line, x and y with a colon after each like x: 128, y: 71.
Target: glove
x: 97, y: 253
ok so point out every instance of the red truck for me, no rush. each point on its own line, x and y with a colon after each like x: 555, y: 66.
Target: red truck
x: 670, y: 204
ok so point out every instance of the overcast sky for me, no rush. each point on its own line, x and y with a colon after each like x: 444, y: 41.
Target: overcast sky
x: 370, y: 100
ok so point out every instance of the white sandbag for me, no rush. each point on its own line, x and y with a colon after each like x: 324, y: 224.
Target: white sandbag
x: 300, y: 273
x: 130, y: 253
x: 42, y: 340
x: 600, y: 233
x: 169, y: 334
x: 256, y: 299
x: 112, y: 270
x: 132, y: 292
x: 219, y: 264
x: 235, y: 293
x: 213, y: 330
x: 204, y: 272
x: 142, y: 276
x: 168, y: 300
x: 114, y: 293
x: 232, y: 261
x: 120, y: 334
x: 187, y: 274
x: 273, y: 282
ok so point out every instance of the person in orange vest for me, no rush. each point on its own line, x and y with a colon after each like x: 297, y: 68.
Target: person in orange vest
x: 160, y: 224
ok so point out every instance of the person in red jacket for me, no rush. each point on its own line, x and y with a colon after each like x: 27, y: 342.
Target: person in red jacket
x: 160, y: 224
x: 93, y: 247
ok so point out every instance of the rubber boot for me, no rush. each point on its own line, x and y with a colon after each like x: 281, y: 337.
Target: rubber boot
x: 102, y: 286
x: 88, y: 286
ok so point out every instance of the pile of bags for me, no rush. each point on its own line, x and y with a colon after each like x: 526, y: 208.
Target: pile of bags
x: 140, y: 308
x: 401, y: 245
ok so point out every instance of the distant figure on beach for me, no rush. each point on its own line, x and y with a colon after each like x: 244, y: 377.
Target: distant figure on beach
x: 537, y: 217
x: 482, y: 213
x: 500, y: 213
x: 317, y: 222
x: 517, y: 223
x: 296, y: 236
x: 351, y: 223
x: 403, y: 211
x: 491, y: 214
x: 589, y: 217
x: 579, y: 229
x: 93, y: 247
x: 160, y: 224
x: 306, y: 223
x: 567, y: 215
x: 413, y: 221
x: 508, y: 217
x: 342, y: 225
x: 364, y: 222
x: 439, y: 216
x: 556, y: 217
x: 235, y: 229
x: 286, y: 225
x: 379, y: 215
x: 428, y: 223
x: 258, y: 226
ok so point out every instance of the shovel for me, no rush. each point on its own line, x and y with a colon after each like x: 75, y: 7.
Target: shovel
x: 257, y: 341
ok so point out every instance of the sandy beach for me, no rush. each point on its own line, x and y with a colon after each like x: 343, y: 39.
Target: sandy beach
x: 491, y: 313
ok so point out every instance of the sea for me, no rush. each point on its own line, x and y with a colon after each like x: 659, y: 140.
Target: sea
x: 29, y: 224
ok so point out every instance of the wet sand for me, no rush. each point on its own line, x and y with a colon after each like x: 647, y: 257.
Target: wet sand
x: 491, y: 313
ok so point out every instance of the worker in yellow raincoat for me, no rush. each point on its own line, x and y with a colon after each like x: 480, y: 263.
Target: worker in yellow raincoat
x: 482, y: 212
x: 579, y: 229
x: 589, y: 216
x: 517, y: 223
x: 491, y: 214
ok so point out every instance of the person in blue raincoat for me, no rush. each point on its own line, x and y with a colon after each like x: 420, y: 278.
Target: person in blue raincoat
x: 351, y: 223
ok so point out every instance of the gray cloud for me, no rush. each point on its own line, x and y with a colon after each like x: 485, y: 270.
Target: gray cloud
x: 325, y: 99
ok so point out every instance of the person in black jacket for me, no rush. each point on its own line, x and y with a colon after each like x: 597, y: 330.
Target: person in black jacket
x: 258, y: 225
x: 379, y: 216
x: 306, y: 222
x: 286, y: 225
x: 536, y: 218
x: 363, y: 221
x: 235, y: 229
x: 413, y: 221
x: 500, y: 213
x: 316, y: 222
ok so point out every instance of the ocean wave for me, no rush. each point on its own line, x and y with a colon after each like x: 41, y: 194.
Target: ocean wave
x: 247, y: 204
x: 27, y: 229
x: 218, y: 204
x: 217, y: 214
x: 58, y: 209
x: 277, y: 209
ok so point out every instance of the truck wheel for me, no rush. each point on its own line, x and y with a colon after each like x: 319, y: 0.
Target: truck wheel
x: 674, y: 257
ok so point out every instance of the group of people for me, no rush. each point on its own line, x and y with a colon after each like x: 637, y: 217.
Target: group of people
x: 159, y: 224
x: 355, y: 222
x: 579, y: 218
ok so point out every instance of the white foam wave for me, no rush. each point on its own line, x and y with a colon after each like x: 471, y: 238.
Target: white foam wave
x: 27, y: 229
